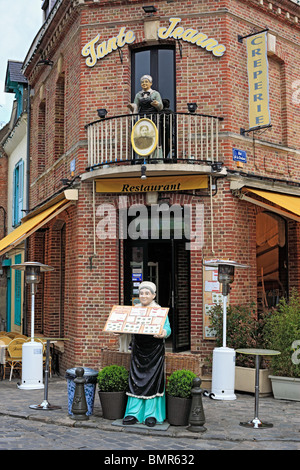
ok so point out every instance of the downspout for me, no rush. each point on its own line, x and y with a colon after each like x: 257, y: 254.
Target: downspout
x: 27, y: 184
x: 28, y: 152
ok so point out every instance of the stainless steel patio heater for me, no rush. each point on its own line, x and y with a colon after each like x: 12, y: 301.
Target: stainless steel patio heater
x: 32, y: 351
x: 223, y: 369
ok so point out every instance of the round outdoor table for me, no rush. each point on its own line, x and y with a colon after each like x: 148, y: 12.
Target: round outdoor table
x: 256, y: 422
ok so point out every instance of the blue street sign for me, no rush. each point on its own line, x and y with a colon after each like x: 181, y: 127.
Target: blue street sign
x: 239, y: 155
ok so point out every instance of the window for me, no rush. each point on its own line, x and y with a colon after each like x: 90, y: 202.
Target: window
x: 160, y: 64
x: 18, y: 190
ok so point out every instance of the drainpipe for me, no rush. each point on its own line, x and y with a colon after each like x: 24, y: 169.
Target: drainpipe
x: 28, y: 152
x: 27, y: 185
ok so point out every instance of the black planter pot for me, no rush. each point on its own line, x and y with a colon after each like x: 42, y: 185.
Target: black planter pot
x: 178, y: 410
x: 113, y: 404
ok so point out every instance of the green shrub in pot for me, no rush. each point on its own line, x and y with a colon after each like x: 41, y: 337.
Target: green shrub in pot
x: 180, y: 383
x: 113, y: 378
x: 282, y: 333
x: 179, y: 397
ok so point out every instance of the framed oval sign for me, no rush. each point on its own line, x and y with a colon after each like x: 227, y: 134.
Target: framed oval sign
x: 144, y: 137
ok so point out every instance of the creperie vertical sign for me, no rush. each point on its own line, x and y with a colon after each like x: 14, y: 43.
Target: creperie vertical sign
x: 258, y: 80
x: 95, y: 50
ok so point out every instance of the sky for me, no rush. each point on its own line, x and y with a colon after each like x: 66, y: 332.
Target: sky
x: 20, y: 20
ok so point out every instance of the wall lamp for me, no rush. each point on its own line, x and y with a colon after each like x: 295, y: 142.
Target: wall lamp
x: 192, y: 107
x: 216, y: 166
x: 45, y: 62
x: 67, y: 182
x: 102, y: 113
x: 149, y: 9
x: 143, y: 172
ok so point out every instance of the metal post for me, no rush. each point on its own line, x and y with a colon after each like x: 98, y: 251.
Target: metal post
x: 256, y: 386
x: 79, y: 406
x: 197, y: 416
x: 33, y: 288
x: 224, y: 319
x: 45, y: 405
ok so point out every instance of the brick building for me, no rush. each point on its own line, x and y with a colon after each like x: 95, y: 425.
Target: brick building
x: 235, y: 185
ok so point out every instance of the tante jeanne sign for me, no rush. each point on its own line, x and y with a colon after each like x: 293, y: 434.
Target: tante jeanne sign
x: 94, y: 50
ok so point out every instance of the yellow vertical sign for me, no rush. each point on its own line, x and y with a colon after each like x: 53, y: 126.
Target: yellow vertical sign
x: 258, y: 79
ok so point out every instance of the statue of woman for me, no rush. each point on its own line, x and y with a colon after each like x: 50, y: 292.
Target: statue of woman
x: 146, y: 101
x: 146, y: 396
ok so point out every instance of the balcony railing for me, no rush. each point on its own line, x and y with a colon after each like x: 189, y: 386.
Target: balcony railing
x: 182, y: 138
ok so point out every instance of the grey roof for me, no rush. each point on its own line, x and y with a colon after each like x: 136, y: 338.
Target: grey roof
x: 14, y: 70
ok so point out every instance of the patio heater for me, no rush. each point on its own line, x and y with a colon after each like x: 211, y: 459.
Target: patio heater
x: 223, y: 369
x: 32, y: 351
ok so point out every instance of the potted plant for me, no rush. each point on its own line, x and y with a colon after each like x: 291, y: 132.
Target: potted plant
x: 282, y: 333
x: 179, y: 397
x: 112, y: 385
x: 243, y: 330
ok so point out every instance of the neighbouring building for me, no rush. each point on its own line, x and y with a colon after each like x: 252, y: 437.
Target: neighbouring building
x: 14, y: 145
x: 222, y: 182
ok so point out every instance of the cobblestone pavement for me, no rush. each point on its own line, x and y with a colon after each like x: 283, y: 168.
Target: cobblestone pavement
x: 24, y: 428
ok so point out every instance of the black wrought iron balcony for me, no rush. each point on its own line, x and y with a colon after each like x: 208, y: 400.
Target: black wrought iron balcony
x: 181, y: 138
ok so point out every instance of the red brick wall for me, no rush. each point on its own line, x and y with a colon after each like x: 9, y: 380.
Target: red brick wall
x: 219, y: 86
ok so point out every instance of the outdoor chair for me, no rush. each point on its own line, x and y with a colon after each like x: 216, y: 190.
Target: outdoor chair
x: 14, y: 335
x: 14, y: 357
x: 4, y: 340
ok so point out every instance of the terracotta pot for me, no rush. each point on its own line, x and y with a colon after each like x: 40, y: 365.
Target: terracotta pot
x: 178, y: 410
x: 113, y: 404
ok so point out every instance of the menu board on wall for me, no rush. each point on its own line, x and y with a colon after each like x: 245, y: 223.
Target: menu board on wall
x: 136, y: 320
x: 212, y: 295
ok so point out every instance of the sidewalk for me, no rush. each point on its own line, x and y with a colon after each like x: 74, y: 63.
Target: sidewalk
x: 222, y: 417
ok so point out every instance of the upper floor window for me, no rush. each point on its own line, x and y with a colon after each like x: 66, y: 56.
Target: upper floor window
x: 18, y: 193
x: 159, y: 62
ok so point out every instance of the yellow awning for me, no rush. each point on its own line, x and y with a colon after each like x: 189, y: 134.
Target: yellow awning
x: 29, y: 226
x: 284, y: 201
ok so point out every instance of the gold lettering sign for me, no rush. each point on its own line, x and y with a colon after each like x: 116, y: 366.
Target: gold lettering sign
x: 258, y: 79
x: 152, y: 183
x: 94, y: 50
x: 192, y: 36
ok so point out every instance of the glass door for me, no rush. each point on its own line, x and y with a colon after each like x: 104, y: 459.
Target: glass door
x: 166, y: 263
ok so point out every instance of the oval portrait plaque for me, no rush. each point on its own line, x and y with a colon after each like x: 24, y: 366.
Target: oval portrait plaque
x: 144, y: 137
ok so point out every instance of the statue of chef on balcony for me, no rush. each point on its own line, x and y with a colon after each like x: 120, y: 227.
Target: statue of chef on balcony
x: 146, y: 396
x: 146, y: 101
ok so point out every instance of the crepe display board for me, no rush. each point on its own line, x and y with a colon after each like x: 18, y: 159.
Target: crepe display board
x: 136, y: 320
